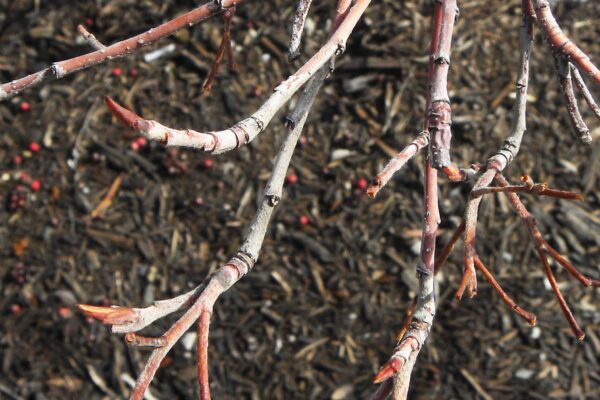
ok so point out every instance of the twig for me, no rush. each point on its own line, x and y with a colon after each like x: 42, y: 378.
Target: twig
x: 61, y: 69
x: 225, y: 45
x: 500, y: 160
x: 246, y: 130
x: 587, y: 95
x: 560, y: 42
x: 542, y: 247
x: 439, y: 112
x: 396, y: 163
x: 91, y: 39
x: 298, y: 28
x: 566, y: 85
x: 527, y: 316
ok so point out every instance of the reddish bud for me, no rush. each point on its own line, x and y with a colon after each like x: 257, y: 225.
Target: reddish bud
x: 36, y: 185
x: 303, y: 220
x: 292, y: 179
x: 208, y: 163
x: 109, y: 315
x: 390, y: 369
x: 34, y: 147
x: 117, y: 71
x: 362, y: 184
x: 65, y: 312
x: 25, y: 106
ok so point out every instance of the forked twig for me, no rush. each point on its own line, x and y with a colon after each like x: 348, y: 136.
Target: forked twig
x: 225, y: 45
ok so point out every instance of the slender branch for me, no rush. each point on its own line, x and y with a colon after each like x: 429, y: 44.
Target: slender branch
x: 541, y: 247
x: 500, y: 160
x: 90, y: 38
x: 225, y: 44
x: 587, y: 95
x: 566, y: 85
x: 560, y: 42
x: 203, y: 328
x: 540, y: 189
x: 527, y: 316
x: 298, y: 28
x: 396, y: 163
x: 439, y: 111
x: 246, y: 130
x: 61, y: 69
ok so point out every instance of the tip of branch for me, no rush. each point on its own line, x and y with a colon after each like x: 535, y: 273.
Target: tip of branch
x: 131, y: 119
x: 109, y: 315
x: 389, y: 369
x: 374, y: 188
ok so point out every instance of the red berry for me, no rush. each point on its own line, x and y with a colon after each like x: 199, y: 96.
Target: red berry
x: 141, y: 141
x: 208, y: 163
x: 303, y: 220
x: 135, y: 146
x: 25, y: 106
x: 199, y: 201
x: 134, y: 72
x: 18, y: 160
x: 292, y: 179
x: 117, y: 71
x: 34, y: 147
x: 15, y: 308
x: 36, y: 185
x: 65, y: 312
x: 89, y: 21
x: 362, y: 184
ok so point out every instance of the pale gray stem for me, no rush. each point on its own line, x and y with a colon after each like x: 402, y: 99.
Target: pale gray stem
x: 585, y: 91
x: 90, y: 38
x: 298, y: 28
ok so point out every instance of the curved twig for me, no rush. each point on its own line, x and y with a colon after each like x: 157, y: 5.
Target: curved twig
x: 246, y: 130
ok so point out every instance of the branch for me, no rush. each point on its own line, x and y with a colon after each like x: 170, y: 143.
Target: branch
x: 246, y: 130
x: 563, y: 71
x: 439, y: 111
x: 500, y: 160
x: 396, y: 163
x: 543, y: 249
x: 587, y: 95
x: 91, y: 39
x: 225, y: 45
x: 61, y: 69
x: 298, y: 28
x: 561, y: 43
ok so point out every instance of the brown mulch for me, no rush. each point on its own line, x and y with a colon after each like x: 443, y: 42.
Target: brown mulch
x: 319, y: 313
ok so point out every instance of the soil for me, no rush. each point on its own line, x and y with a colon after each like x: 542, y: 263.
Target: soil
x: 319, y: 313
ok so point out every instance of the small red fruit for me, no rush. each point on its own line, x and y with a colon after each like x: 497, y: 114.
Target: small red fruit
x: 15, y: 308
x: 25, y: 106
x: 292, y: 179
x: 135, y: 146
x: 36, y: 185
x: 141, y: 141
x: 134, y: 72
x: 17, y: 160
x: 208, y: 163
x: 117, y: 71
x: 303, y: 220
x: 362, y: 184
x: 65, y: 312
x: 34, y: 147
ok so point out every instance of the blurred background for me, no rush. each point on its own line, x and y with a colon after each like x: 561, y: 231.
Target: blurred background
x: 320, y: 311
